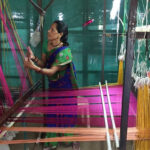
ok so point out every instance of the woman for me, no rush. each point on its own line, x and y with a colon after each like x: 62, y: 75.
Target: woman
x: 56, y: 63
x: 56, y: 57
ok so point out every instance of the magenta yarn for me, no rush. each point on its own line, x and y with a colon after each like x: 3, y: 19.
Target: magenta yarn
x: 20, y: 71
x: 7, y: 94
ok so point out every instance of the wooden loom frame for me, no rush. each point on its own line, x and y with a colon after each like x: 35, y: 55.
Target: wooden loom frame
x: 80, y: 134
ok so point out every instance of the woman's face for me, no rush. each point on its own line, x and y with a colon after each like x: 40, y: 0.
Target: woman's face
x: 53, y: 33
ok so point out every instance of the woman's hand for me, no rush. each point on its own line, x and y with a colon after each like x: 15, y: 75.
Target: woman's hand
x: 28, y: 63
x: 30, y: 54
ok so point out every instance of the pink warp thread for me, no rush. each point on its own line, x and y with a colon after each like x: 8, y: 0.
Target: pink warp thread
x: 114, y: 90
x: 82, y: 102
x: 79, y: 121
x: 5, y: 88
x: 20, y: 71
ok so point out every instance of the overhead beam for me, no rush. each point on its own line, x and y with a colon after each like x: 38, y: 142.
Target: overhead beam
x: 142, y: 35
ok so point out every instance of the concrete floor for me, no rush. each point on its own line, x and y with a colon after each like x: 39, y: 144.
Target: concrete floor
x: 83, y: 145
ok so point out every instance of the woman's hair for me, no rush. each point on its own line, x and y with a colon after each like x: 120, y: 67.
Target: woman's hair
x: 62, y: 28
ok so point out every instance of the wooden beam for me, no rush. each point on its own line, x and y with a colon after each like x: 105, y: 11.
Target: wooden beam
x: 143, y: 35
x: 19, y: 103
x: 127, y: 77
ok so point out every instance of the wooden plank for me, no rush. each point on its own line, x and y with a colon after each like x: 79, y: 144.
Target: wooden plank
x: 143, y: 35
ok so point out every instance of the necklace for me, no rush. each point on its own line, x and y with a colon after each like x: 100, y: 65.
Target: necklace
x: 51, y: 46
x: 56, y: 44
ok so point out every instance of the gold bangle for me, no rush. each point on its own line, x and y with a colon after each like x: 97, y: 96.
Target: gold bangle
x: 35, y: 59
x: 41, y: 70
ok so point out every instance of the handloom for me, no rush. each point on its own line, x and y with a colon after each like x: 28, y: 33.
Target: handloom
x: 86, y: 103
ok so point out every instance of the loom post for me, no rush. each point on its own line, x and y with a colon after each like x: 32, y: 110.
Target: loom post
x: 103, y: 43
x: 127, y: 77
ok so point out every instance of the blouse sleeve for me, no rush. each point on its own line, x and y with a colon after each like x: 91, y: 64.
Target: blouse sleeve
x: 64, y: 57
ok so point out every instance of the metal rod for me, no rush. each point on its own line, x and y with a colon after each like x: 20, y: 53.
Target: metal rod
x: 112, y: 117
x: 105, y: 119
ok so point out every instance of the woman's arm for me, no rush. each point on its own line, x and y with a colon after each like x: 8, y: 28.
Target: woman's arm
x: 35, y: 59
x: 40, y: 63
x: 49, y: 72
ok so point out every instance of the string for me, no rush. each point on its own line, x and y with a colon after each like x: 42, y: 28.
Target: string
x: 5, y: 88
x: 15, y: 29
x: 73, y: 100
x: 21, y: 74
x: 74, y: 109
x: 114, y: 90
x: 143, y: 120
x: 1, y: 108
x: 81, y: 106
x: 17, y: 40
x: 3, y: 38
x: 97, y: 121
x: 83, y: 134
x: 88, y: 111
x: 13, y: 34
